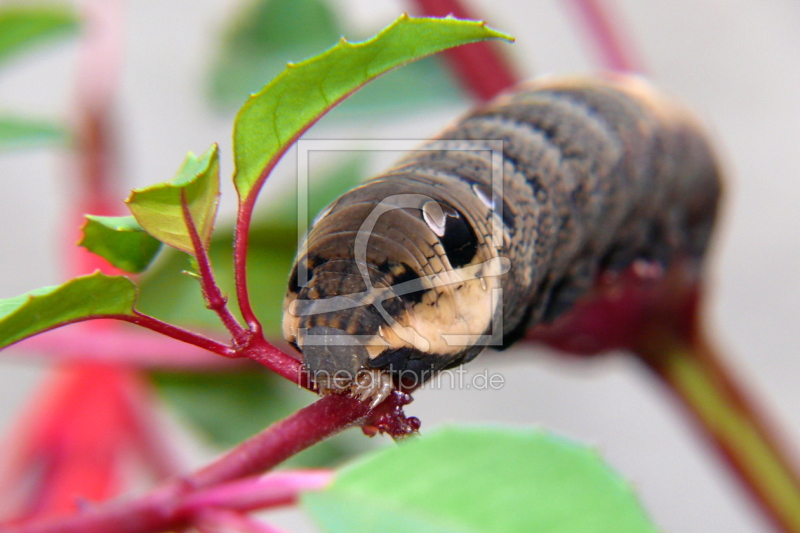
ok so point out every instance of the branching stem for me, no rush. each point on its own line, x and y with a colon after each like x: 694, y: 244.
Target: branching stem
x: 211, y: 291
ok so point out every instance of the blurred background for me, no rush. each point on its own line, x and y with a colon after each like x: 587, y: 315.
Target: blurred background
x: 182, y: 78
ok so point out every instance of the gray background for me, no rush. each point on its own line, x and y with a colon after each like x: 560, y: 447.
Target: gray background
x: 735, y: 62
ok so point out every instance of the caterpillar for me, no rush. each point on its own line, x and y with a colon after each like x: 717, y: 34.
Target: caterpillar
x: 499, y: 224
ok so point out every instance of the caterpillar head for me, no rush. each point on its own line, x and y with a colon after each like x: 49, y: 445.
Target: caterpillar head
x: 389, y: 291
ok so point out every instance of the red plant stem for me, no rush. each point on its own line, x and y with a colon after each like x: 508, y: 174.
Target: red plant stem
x: 213, y: 295
x: 483, y: 70
x: 176, y: 333
x: 163, y: 509
x: 739, y: 431
x: 241, y: 239
x: 611, y: 43
x: 281, y: 363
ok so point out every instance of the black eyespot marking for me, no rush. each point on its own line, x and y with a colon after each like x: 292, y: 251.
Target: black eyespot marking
x: 458, y: 238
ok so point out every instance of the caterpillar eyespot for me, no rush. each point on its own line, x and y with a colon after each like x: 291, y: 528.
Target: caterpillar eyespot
x: 407, y: 275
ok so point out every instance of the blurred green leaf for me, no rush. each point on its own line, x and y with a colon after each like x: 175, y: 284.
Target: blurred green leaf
x: 227, y: 407
x: 121, y: 241
x: 159, y: 208
x: 267, y: 34
x: 271, y: 119
x: 42, y: 309
x: 17, y: 132
x: 480, y: 479
x: 262, y: 38
x: 23, y: 25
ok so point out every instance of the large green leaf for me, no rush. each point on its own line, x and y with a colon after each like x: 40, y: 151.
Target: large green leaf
x: 480, y: 479
x: 121, y: 241
x: 287, y: 106
x: 16, y: 132
x: 85, y: 297
x: 227, y: 407
x: 159, y: 208
x: 25, y: 24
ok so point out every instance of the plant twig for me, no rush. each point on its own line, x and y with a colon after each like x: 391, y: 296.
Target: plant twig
x: 211, y: 291
x: 163, y: 508
x: 736, y: 427
x: 176, y: 332
x: 248, y: 494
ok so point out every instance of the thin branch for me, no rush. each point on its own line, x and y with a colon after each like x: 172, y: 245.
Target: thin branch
x: 249, y: 494
x: 241, y: 239
x: 482, y: 68
x: 612, y: 45
x: 162, y: 509
x: 176, y: 332
x: 738, y: 430
x: 211, y: 291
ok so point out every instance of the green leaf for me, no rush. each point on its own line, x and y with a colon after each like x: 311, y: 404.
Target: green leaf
x: 159, y: 208
x: 480, y: 479
x: 227, y: 407
x: 23, y: 25
x: 17, y: 132
x: 273, y: 118
x: 85, y: 297
x: 121, y: 241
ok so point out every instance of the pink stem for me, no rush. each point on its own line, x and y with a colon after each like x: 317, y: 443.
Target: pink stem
x: 213, y: 295
x: 277, y: 488
x: 604, y: 27
x: 223, y: 521
x: 483, y: 69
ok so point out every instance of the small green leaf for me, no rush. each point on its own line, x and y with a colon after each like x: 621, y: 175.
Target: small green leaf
x: 159, y: 208
x: 480, y: 480
x: 121, y: 241
x: 85, y: 297
x: 17, y: 132
x: 22, y: 26
x: 267, y: 124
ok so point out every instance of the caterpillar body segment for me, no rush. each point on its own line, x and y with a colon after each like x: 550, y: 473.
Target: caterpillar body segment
x: 460, y: 245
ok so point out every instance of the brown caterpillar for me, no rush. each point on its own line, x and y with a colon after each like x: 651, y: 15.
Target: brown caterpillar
x: 462, y: 244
